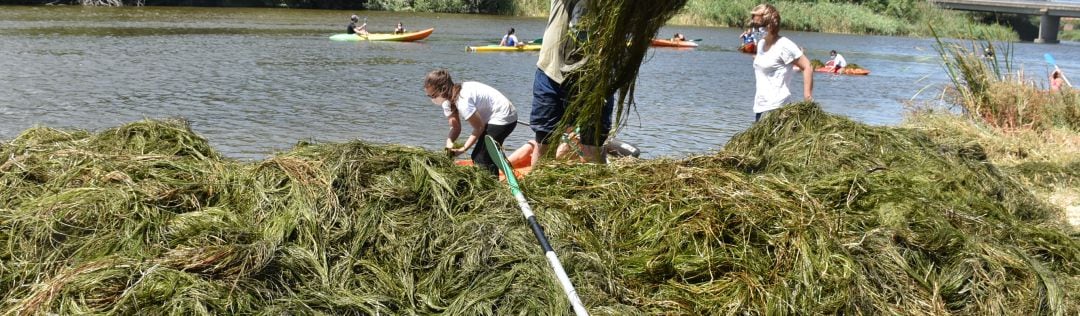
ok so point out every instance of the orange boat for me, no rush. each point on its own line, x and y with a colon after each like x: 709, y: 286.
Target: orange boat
x: 656, y: 42
x: 749, y: 48
x: 520, y: 160
x: 843, y: 71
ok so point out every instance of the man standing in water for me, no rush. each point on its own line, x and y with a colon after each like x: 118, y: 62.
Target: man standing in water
x: 553, y: 86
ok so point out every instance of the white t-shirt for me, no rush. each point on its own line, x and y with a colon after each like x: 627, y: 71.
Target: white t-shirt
x: 510, y: 40
x: 839, y: 61
x: 480, y: 99
x: 773, y: 71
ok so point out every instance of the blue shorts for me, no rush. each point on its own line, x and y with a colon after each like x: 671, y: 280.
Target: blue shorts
x: 549, y: 105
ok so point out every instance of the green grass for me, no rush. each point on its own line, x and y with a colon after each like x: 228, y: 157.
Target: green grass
x: 1073, y: 35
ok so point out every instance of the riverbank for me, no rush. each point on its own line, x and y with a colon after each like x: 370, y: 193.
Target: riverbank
x: 895, y: 18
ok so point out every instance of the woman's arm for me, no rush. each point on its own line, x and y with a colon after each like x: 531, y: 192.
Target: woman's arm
x: 477, y: 132
x: 455, y: 130
x: 808, y: 77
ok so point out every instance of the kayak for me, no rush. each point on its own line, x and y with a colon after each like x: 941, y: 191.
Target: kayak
x: 498, y: 48
x: 749, y: 48
x: 404, y: 37
x: 656, y: 42
x: 520, y: 160
x: 844, y: 71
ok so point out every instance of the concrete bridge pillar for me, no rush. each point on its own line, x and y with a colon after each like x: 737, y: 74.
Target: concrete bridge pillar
x: 1048, y: 29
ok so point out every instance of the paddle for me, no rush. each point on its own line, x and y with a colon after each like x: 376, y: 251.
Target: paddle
x: 496, y: 154
x: 1050, y: 60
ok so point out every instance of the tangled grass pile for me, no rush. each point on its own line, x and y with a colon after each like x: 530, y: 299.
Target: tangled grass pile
x: 805, y: 212
x: 618, y: 34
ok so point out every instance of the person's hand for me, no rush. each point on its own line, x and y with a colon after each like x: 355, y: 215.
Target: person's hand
x: 808, y: 97
x: 456, y: 151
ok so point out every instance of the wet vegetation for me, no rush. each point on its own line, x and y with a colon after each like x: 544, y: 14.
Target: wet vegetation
x: 805, y: 211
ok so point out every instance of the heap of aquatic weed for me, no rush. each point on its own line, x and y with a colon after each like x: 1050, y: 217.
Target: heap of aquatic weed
x: 146, y: 219
x: 807, y: 212
x: 617, y: 35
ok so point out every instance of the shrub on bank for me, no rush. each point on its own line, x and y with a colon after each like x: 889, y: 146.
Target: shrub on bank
x: 902, y: 18
x: 988, y: 89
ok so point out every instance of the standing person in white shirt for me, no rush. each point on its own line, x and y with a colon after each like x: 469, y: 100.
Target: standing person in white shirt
x: 487, y: 110
x: 773, y: 62
x: 837, y: 62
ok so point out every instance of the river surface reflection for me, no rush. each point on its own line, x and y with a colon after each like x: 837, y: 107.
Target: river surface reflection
x: 257, y: 80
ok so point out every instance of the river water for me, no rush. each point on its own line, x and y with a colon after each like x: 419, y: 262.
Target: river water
x: 254, y: 81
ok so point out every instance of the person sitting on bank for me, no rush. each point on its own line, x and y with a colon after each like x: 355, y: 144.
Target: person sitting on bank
x: 354, y: 29
x: 400, y: 29
x: 837, y: 62
x: 510, y: 39
x: 678, y: 37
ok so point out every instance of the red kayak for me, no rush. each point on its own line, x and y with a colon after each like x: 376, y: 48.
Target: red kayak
x: 656, y: 42
x: 749, y: 48
x: 843, y: 71
x: 520, y: 160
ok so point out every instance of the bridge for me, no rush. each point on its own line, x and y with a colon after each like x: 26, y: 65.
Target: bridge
x: 1050, y: 12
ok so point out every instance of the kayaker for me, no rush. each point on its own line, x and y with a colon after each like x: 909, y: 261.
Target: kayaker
x: 354, y: 29
x: 773, y: 64
x: 837, y: 62
x: 749, y: 43
x: 509, y: 39
x: 1057, y: 80
x: 559, y: 58
x: 400, y: 29
x: 678, y: 37
x: 486, y: 110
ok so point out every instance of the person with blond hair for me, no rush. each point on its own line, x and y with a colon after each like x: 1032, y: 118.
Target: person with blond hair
x: 774, y: 61
x: 486, y: 110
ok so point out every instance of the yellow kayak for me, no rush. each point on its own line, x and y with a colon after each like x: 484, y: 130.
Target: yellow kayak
x: 497, y: 48
x: 404, y: 37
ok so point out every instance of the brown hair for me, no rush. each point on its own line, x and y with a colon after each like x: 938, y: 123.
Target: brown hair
x: 770, y: 16
x: 443, y: 85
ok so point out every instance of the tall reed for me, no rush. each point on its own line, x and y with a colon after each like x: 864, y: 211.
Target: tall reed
x: 990, y: 89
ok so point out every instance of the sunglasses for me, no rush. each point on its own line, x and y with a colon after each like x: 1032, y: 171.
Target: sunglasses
x: 431, y: 95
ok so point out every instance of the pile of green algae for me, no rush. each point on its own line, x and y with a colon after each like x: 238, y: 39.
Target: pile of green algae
x: 803, y: 213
